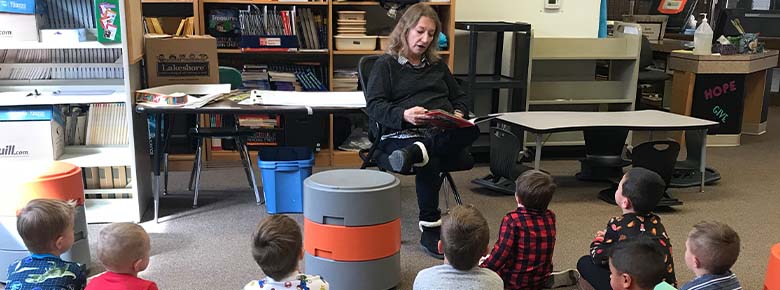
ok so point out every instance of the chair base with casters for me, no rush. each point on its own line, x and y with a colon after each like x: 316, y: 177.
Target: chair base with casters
x: 687, y: 173
x: 503, y: 170
x: 604, y: 148
x: 239, y: 136
x: 657, y: 156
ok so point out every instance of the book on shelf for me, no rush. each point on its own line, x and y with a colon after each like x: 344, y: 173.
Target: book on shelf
x: 446, y: 120
x: 103, y: 124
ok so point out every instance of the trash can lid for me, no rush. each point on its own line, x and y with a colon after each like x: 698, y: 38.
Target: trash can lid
x: 351, y: 179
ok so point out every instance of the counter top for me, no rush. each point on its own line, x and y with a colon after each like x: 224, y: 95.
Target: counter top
x: 723, y: 64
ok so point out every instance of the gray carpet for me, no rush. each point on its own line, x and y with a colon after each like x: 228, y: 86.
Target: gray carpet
x: 208, y: 247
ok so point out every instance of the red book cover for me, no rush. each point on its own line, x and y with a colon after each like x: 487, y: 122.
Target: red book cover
x: 446, y: 120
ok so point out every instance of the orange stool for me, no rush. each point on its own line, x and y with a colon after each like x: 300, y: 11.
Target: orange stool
x: 342, y: 243
x: 772, y: 281
x: 34, y: 180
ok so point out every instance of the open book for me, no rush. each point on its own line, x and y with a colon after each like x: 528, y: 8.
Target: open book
x: 446, y: 120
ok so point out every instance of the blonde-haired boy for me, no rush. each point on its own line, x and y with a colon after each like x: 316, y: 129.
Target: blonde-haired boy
x: 123, y: 248
x: 711, y: 250
x: 46, y: 227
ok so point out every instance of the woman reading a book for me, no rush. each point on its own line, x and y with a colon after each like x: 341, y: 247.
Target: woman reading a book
x: 405, y: 84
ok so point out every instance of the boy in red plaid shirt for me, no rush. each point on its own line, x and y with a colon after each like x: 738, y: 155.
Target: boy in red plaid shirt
x: 522, y: 256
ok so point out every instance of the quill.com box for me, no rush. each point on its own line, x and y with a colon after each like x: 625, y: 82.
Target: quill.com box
x: 31, y: 133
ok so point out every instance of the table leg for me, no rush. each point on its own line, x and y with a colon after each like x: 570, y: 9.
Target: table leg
x: 538, y: 155
x: 703, y: 165
x: 156, y: 163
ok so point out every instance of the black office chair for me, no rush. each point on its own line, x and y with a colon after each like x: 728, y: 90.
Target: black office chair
x: 657, y: 156
x: 604, y: 149
x: 647, y: 76
x: 374, y: 157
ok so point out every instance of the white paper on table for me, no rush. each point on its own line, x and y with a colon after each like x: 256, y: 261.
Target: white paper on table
x: 206, y: 94
x: 308, y: 99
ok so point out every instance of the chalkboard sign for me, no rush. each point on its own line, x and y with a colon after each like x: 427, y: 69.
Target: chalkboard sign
x: 720, y: 98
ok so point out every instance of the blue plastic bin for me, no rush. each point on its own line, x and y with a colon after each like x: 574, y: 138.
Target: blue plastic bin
x: 283, y: 170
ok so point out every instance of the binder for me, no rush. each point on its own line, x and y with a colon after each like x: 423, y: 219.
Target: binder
x: 106, y: 177
x: 120, y: 176
x: 91, y: 179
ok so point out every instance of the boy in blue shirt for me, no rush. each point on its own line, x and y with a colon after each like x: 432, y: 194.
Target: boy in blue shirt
x: 710, y: 251
x: 46, y: 227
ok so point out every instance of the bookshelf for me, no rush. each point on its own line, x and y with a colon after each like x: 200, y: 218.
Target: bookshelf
x: 88, y: 91
x: 562, y: 78
x: 377, y: 24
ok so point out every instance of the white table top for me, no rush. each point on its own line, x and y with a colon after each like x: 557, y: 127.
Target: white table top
x: 645, y: 120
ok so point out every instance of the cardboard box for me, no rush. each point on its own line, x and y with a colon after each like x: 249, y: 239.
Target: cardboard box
x: 23, y: 27
x: 181, y: 60
x: 18, y: 6
x: 31, y: 133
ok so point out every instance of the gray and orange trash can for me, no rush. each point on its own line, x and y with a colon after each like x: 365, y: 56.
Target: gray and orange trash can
x: 25, y: 181
x: 352, y: 228
x: 772, y: 280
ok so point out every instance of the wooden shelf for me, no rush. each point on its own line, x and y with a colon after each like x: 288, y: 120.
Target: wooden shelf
x: 98, y: 156
x: 369, y: 52
x: 108, y: 190
x: 55, y: 45
x: 168, y: 1
x: 238, y: 51
x: 375, y: 3
x: 266, y: 2
x: 49, y: 99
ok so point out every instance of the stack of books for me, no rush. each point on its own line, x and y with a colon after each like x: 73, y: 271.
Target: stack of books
x: 345, y: 80
x: 255, y: 77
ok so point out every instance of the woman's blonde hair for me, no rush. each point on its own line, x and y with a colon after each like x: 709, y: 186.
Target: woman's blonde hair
x: 398, y: 44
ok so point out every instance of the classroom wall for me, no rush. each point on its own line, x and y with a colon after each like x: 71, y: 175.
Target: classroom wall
x: 576, y: 18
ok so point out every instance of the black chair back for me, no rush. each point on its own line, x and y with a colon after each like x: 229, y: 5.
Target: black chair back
x: 646, y: 54
x: 504, y: 148
x: 365, y: 65
x: 658, y: 156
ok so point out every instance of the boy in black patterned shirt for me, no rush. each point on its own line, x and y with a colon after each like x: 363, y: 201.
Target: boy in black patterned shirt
x: 637, y: 195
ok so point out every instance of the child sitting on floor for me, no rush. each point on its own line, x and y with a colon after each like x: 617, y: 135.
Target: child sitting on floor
x: 277, y: 247
x: 46, y: 227
x: 637, y: 195
x: 711, y: 250
x: 124, y: 249
x: 464, y: 239
x: 637, y: 264
x: 523, y: 253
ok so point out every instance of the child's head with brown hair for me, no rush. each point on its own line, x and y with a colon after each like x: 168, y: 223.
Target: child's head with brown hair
x: 124, y: 248
x: 464, y: 237
x: 46, y: 226
x: 639, y: 191
x: 636, y: 263
x: 277, y: 246
x: 711, y: 248
x: 534, y: 189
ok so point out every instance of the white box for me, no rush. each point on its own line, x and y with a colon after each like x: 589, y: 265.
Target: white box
x: 18, y: 27
x: 63, y: 35
x: 31, y: 133
x: 355, y: 42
